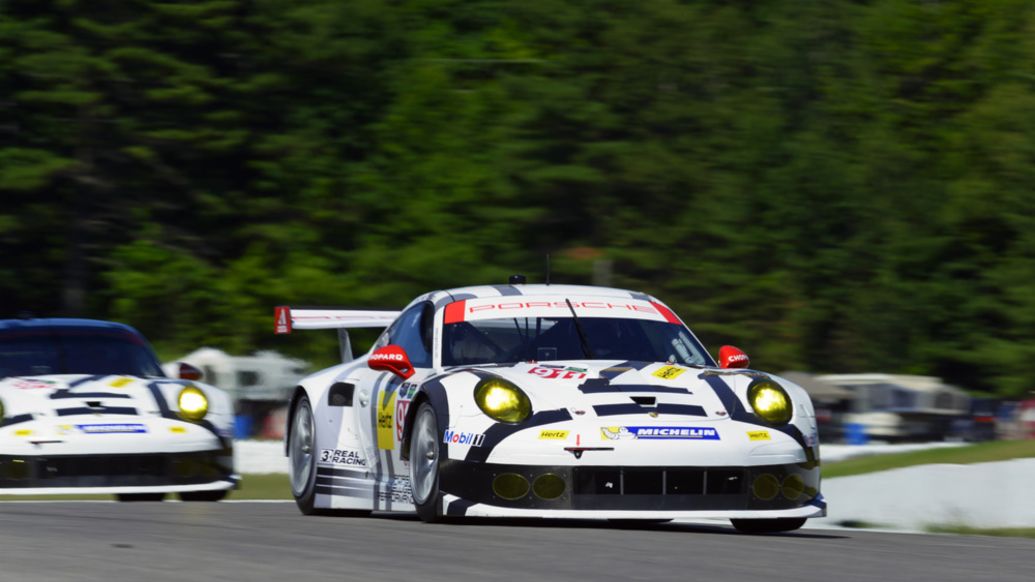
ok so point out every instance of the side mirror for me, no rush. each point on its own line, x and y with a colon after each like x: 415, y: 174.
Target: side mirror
x: 733, y: 357
x: 391, y: 358
x: 186, y: 371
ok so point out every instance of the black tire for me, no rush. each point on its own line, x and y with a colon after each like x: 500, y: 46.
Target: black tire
x: 301, y: 443
x: 424, y: 439
x: 760, y: 526
x: 217, y: 495
x: 134, y: 497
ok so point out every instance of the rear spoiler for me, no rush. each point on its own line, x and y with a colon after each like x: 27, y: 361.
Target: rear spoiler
x: 287, y: 319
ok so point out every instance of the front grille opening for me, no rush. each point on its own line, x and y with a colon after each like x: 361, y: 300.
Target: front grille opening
x: 592, y: 482
x: 644, y: 400
x: 643, y: 483
x: 684, y: 482
x: 725, y: 482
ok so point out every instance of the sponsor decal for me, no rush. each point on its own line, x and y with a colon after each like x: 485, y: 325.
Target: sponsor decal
x: 385, y: 424
x: 400, y: 418
x: 120, y: 382
x: 33, y: 384
x: 510, y: 306
x: 686, y: 433
x: 553, y: 435
x: 474, y: 439
x: 398, y: 490
x: 668, y: 372
x: 178, y: 429
x: 342, y: 457
x: 758, y: 435
x: 386, y: 357
x: 23, y: 432
x: 112, y: 428
x: 558, y: 372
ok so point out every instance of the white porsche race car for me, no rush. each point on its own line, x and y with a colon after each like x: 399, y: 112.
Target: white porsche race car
x: 548, y: 401
x: 85, y: 408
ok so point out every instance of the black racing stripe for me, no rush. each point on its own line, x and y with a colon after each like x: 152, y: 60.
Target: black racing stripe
x: 500, y: 431
x: 333, y: 472
x: 343, y: 491
x: 681, y: 409
x: 69, y: 394
x: 458, y: 507
x: 597, y: 386
x: 156, y: 392
x: 632, y: 408
x: 93, y: 378
x: 97, y: 410
x: 737, y: 412
x: 619, y: 369
x: 507, y: 290
x: 15, y: 420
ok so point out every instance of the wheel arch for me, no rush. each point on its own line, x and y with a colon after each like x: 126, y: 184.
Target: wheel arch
x: 296, y: 396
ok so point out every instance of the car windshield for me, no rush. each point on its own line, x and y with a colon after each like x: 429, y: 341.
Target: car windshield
x: 38, y: 352
x: 508, y: 340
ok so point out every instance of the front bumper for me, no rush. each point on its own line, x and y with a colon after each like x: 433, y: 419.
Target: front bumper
x: 117, y: 473
x: 765, y: 491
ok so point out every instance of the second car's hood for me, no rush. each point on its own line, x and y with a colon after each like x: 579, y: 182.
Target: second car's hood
x: 70, y: 394
x: 608, y: 388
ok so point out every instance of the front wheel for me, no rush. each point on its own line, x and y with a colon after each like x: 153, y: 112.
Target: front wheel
x: 756, y: 526
x: 300, y: 456
x: 424, y: 464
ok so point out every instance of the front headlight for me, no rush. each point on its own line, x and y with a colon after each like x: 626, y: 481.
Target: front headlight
x: 770, y: 401
x: 502, y: 400
x: 193, y: 404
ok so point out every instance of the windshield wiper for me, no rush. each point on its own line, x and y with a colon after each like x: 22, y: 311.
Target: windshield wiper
x: 578, y: 328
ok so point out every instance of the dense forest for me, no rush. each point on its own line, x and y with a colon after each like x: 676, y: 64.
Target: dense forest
x: 842, y: 185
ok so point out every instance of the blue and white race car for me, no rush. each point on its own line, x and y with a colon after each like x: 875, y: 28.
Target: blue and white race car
x: 548, y: 401
x: 85, y: 408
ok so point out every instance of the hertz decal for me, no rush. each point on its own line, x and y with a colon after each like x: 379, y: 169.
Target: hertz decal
x: 668, y: 372
x: 553, y: 435
x: 386, y: 424
x: 758, y: 435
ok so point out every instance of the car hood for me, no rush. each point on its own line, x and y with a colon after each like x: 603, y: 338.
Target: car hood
x: 72, y: 394
x: 616, y: 387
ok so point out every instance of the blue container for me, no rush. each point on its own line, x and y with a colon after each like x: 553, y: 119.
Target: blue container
x: 855, y: 433
x: 243, y: 426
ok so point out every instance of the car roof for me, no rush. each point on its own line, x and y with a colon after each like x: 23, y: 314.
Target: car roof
x: 535, y: 290
x: 63, y: 323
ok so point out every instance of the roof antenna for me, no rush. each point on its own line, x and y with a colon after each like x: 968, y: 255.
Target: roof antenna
x: 547, y: 268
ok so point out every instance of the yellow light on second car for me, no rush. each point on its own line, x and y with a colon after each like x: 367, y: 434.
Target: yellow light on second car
x: 502, y: 400
x: 770, y: 402
x: 193, y: 403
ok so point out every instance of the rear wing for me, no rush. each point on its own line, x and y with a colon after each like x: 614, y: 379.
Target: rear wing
x: 287, y: 319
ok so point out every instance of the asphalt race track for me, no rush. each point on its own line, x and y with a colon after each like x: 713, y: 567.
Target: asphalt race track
x: 154, y: 542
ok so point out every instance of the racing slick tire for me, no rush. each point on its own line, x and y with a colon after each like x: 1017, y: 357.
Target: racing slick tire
x: 218, y: 495
x: 757, y: 526
x: 425, y: 460
x: 302, y: 458
x: 131, y: 497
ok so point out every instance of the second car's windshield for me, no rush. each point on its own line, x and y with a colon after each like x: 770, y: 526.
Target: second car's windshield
x: 41, y: 352
x: 517, y: 339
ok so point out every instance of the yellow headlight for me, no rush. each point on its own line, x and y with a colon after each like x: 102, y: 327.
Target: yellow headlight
x: 193, y: 403
x: 770, y: 402
x: 502, y: 400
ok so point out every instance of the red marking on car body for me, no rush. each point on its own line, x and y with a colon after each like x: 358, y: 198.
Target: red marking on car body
x: 454, y: 312
x: 666, y: 313
x: 282, y: 319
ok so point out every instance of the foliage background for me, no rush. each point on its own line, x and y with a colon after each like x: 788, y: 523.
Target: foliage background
x: 834, y: 186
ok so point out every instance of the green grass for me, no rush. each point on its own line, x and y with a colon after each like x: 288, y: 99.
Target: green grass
x: 1006, y: 532
x: 965, y: 455
x: 273, y: 486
